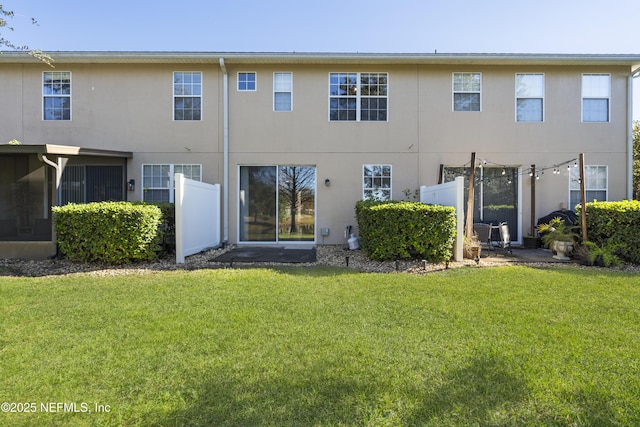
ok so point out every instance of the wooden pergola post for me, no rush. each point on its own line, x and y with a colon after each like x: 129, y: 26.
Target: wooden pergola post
x: 533, y: 200
x: 472, y: 176
x: 583, y: 199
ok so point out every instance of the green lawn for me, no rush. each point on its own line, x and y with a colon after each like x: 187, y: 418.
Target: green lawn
x: 319, y: 347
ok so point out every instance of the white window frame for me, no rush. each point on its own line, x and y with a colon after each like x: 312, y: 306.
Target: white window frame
x: 593, y: 93
x: 358, y: 96
x: 530, y: 95
x: 377, y: 192
x: 463, y: 90
x: 590, y: 184
x: 181, y: 95
x: 50, y: 95
x: 282, y: 87
x: 167, y: 182
x: 255, y: 76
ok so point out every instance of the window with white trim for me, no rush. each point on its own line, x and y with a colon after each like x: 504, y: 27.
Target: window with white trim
x: 376, y: 182
x: 529, y: 97
x: 187, y: 95
x: 282, y: 91
x: 358, y: 97
x: 596, y: 94
x: 595, y: 184
x: 247, y: 81
x: 56, y: 95
x: 158, y: 180
x: 467, y: 91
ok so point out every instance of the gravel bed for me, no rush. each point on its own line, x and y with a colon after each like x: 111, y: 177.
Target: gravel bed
x: 327, y: 255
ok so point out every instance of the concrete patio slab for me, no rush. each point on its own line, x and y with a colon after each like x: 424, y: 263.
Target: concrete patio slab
x: 249, y: 254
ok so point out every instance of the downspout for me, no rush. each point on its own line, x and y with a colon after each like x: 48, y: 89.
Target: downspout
x: 635, y: 73
x: 225, y: 154
x: 58, y: 169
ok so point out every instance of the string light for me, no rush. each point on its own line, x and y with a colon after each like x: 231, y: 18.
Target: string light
x: 539, y: 171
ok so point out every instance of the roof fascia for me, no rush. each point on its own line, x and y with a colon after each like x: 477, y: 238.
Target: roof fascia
x: 153, y: 57
x: 62, y: 150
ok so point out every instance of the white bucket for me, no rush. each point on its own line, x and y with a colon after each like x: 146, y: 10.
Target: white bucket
x: 354, y: 243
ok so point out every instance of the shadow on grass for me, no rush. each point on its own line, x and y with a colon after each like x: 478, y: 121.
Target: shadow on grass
x: 303, y: 400
x: 471, y: 395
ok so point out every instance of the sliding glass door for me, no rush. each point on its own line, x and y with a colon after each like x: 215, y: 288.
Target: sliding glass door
x: 277, y: 203
x: 495, y: 194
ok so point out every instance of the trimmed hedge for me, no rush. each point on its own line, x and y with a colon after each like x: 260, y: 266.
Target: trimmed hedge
x: 615, y: 223
x: 167, y: 227
x: 394, y: 230
x: 109, y: 232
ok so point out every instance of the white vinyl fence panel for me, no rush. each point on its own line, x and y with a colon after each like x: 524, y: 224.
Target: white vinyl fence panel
x: 197, y: 216
x: 449, y: 194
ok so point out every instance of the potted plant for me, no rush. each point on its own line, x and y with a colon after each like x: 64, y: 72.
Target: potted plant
x: 471, y: 247
x: 605, y: 255
x: 531, y: 242
x: 559, y: 236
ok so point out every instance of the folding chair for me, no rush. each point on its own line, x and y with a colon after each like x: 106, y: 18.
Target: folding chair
x: 483, y: 232
x: 505, y: 238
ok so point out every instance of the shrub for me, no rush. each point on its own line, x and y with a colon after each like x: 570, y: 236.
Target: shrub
x: 402, y: 230
x: 615, y: 223
x: 110, y: 232
x: 167, y: 227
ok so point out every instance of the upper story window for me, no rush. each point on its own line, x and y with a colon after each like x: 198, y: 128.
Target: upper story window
x: 158, y: 180
x: 56, y: 95
x: 529, y: 97
x: 358, y: 96
x: 467, y: 90
x: 595, y: 184
x: 596, y: 92
x: 282, y: 91
x: 376, y: 182
x: 187, y: 95
x: 247, y: 81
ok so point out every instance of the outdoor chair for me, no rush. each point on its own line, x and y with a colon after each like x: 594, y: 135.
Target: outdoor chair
x: 483, y: 232
x: 504, y: 242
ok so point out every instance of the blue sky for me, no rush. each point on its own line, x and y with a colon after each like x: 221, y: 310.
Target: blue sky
x: 416, y: 26
x: 543, y: 26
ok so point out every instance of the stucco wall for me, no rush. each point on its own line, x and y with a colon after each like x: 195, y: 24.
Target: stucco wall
x: 129, y: 107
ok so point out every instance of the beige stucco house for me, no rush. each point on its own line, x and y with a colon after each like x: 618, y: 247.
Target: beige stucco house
x: 295, y: 139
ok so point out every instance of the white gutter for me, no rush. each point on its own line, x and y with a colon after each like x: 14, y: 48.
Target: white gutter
x: 225, y: 155
x: 635, y: 73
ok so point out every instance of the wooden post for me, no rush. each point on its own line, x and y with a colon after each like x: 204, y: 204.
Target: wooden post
x: 583, y: 199
x: 533, y: 200
x: 472, y: 176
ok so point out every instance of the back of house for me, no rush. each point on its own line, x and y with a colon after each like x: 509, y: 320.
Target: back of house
x: 295, y: 139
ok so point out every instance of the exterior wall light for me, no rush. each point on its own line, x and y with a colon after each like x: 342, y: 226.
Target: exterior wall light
x: 327, y: 182
x: 132, y: 185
